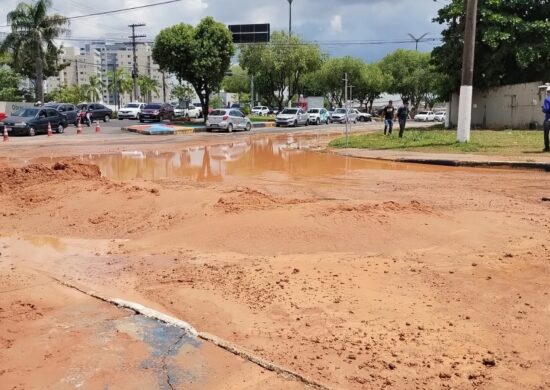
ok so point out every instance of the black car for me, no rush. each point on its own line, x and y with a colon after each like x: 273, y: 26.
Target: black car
x: 156, y: 112
x: 34, y: 120
x: 97, y: 111
x: 70, y: 110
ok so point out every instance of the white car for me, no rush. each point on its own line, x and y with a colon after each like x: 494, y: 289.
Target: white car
x: 292, y: 117
x: 339, y: 115
x: 425, y: 116
x: 130, y: 110
x: 440, y: 116
x: 228, y: 119
x: 260, y: 110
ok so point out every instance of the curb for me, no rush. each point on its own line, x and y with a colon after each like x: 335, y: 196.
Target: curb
x: 191, y: 332
x: 182, y: 130
x: 539, y: 166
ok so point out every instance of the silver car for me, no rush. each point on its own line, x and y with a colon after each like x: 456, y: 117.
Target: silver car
x: 339, y: 115
x: 228, y: 119
x: 292, y: 117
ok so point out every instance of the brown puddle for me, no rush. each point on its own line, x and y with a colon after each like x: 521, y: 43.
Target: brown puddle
x: 252, y: 157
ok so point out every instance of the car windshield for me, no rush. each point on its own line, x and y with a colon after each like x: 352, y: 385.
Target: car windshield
x: 423, y: 113
x: 152, y: 106
x: 290, y: 111
x: 440, y: 113
x: 340, y: 111
x: 132, y: 105
x: 217, y: 113
x: 257, y: 108
x: 313, y: 111
x: 26, y: 112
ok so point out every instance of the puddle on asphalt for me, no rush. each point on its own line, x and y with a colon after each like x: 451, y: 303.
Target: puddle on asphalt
x: 251, y: 157
x: 46, y: 241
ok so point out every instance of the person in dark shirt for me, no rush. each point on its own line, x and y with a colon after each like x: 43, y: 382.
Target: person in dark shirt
x: 402, y: 116
x: 389, y: 114
x: 546, y: 126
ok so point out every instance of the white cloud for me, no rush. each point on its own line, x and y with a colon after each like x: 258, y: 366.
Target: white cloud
x: 336, y: 24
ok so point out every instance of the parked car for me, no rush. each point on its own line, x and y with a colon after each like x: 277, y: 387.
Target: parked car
x: 34, y: 120
x: 292, y: 117
x: 97, y: 111
x: 70, y: 110
x: 440, y: 116
x: 318, y: 116
x: 260, y: 110
x: 193, y: 111
x: 425, y: 116
x: 156, y: 112
x: 228, y: 119
x: 341, y: 116
x: 131, y: 110
x: 364, y: 117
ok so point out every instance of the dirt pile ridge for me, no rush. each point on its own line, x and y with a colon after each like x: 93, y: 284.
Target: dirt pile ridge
x: 33, y: 174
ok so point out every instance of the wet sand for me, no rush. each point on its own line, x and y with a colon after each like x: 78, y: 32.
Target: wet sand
x: 359, y: 274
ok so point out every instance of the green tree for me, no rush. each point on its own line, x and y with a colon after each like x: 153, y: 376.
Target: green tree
x: 9, y: 85
x: 147, y: 87
x: 512, y: 43
x: 331, y: 77
x: 120, y: 83
x: 410, y: 73
x: 183, y: 93
x: 238, y: 82
x: 280, y: 66
x: 31, y: 42
x: 93, y: 90
x: 200, y: 55
x: 70, y: 94
x: 371, y: 85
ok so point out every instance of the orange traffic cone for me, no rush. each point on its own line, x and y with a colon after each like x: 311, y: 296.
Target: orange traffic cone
x: 78, y: 128
x: 6, y: 136
x: 97, y: 128
x: 49, y: 130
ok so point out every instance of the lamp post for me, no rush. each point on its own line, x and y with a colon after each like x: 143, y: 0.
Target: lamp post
x: 417, y: 39
x: 290, y: 17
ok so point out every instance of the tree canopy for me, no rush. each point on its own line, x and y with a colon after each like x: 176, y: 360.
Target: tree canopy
x: 31, y: 44
x: 512, y: 42
x: 200, y: 55
x: 281, y: 65
x: 9, y: 85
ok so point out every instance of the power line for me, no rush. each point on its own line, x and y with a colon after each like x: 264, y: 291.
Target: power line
x: 114, y: 11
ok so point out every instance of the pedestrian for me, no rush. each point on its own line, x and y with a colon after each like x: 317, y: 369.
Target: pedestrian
x: 402, y: 115
x: 546, y: 126
x: 389, y: 113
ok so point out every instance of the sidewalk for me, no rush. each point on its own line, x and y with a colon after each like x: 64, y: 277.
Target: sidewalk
x: 539, y: 161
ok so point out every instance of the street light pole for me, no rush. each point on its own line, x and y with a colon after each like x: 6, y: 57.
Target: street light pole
x: 417, y: 39
x: 466, y: 89
x: 290, y: 18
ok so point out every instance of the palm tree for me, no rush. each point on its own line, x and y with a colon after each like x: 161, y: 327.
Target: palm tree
x: 31, y: 41
x: 120, y: 83
x: 93, y: 88
x: 147, y: 86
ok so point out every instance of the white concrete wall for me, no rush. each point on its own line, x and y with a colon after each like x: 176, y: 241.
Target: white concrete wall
x: 9, y: 107
x: 508, y: 107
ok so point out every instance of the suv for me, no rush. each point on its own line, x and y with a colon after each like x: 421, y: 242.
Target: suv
x: 156, y: 112
x: 97, y: 111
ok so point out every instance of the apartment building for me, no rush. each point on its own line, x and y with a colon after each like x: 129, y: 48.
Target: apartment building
x: 79, y: 70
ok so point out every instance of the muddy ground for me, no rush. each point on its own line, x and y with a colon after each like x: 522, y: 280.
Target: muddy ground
x: 355, y: 273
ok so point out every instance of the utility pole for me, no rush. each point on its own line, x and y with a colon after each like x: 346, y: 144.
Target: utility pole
x: 346, y: 103
x: 76, y: 70
x: 290, y: 18
x: 135, y: 68
x: 117, y: 101
x: 417, y: 39
x: 252, y: 91
x: 466, y: 89
x: 163, y: 88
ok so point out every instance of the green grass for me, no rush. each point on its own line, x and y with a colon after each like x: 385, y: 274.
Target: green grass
x: 257, y: 118
x: 505, y: 142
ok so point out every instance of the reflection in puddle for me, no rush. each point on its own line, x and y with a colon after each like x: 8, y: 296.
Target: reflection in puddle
x: 251, y: 157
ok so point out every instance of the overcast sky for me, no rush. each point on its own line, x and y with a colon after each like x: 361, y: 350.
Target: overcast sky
x: 314, y: 20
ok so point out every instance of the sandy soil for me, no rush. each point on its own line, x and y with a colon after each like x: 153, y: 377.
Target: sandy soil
x: 357, y: 274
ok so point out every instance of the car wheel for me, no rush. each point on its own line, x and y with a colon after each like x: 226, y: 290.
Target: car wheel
x: 295, y: 124
x: 248, y: 126
x: 230, y: 128
x: 106, y: 118
x: 277, y: 125
x: 354, y: 121
x: 318, y: 122
x: 60, y: 129
x: 141, y: 121
x: 31, y: 132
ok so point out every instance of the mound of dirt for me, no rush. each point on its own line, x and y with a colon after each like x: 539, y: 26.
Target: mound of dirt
x: 242, y: 199
x: 377, y: 208
x: 13, y: 178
